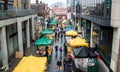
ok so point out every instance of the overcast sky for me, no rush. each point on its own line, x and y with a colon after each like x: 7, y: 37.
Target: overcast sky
x: 49, y: 2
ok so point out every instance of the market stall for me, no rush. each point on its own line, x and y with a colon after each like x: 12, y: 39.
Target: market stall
x: 86, y: 59
x: 71, y: 33
x: 78, y: 42
x: 53, y: 23
x: 48, y: 33
x: 43, y: 44
x: 31, y: 64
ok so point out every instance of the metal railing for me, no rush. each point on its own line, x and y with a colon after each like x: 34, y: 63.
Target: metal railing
x: 15, y: 13
x: 104, y: 21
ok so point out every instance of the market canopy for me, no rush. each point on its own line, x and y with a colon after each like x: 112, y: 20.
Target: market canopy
x: 47, y: 31
x: 31, y: 64
x: 78, y: 42
x: 84, y: 52
x: 71, y: 33
x: 65, y: 21
x: 67, y: 29
x: 54, y: 21
x: 43, y: 42
x: 68, y: 26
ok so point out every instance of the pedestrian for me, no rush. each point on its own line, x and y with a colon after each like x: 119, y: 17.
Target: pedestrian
x: 46, y: 48
x: 49, y: 59
x: 65, y: 62
x: 65, y: 48
x: 61, y: 34
x: 46, y: 54
x: 57, y: 32
x: 56, y: 49
x: 60, y: 49
x: 68, y: 67
x: 59, y: 64
x: 55, y: 35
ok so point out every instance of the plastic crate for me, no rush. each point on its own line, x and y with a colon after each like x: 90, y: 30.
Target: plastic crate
x: 93, y: 68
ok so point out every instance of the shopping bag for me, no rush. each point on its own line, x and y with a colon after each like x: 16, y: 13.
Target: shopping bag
x: 56, y: 67
x: 60, y: 67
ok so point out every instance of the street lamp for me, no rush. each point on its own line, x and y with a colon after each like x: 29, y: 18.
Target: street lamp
x: 75, y: 13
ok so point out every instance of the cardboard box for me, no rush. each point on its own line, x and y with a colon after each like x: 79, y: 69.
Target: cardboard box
x: 18, y: 54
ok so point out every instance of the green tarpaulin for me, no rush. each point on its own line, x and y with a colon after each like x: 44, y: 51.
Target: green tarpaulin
x: 47, y: 31
x: 43, y: 42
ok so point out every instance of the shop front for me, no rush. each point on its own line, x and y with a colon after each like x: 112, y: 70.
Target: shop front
x: 12, y: 41
x: 102, y: 41
x: 86, y: 26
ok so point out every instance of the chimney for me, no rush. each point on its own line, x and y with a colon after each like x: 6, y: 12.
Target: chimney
x: 36, y: 1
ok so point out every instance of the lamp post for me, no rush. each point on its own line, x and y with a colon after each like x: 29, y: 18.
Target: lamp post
x: 75, y: 14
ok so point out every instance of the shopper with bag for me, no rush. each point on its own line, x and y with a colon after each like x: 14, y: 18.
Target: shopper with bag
x: 59, y: 64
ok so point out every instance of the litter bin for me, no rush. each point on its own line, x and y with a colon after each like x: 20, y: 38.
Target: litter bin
x: 93, y: 65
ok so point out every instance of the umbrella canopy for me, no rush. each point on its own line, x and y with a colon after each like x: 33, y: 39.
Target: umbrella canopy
x: 78, y: 42
x: 71, y: 33
x: 68, y: 26
x: 31, y: 64
x: 47, y: 31
x: 64, y: 21
x: 43, y: 42
x: 53, y: 22
x: 84, y: 52
x: 67, y: 29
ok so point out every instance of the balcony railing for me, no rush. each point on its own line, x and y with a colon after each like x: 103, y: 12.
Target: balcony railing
x: 15, y: 13
x: 98, y: 20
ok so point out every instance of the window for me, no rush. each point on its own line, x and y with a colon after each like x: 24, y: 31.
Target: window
x: 101, y: 8
x: 104, y: 35
x: 12, y: 38
x: 105, y: 43
x: 108, y: 5
x: 1, y: 6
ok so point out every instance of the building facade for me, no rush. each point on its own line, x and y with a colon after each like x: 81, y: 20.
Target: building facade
x: 59, y: 8
x: 41, y: 8
x: 17, y: 30
x: 99, y: 20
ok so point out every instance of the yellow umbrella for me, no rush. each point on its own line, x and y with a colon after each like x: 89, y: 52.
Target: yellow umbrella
x: 71, y: 33
x: 78, y: 42
x: 31, y: 64
x: 64, y: 21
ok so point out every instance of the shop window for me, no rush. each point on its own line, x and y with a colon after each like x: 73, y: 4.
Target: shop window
x: 105, y: 44
x: 104, y: 35
x: 1, y: 6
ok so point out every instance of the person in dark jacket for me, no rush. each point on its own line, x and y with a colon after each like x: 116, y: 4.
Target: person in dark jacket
x: 65, y: 48
x: 56, y: 49
x: 59, y: 63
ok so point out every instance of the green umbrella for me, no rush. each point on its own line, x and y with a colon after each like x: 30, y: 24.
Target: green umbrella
x: 68, y: 26
x: 47, y: 31
x: 54, y: 21
x: 43, y: 42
